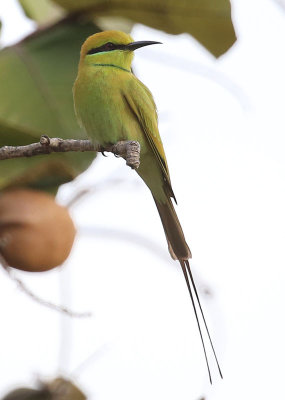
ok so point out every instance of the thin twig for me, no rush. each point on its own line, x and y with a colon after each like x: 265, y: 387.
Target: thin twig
x: 81, y: 193
x: 129, y: 150
x: 208, y: 72
x: 39, y: 300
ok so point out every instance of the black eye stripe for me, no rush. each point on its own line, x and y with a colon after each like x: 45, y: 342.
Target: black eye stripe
x: 107, y: 47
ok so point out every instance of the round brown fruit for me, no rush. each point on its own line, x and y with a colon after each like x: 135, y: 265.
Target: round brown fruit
x: 36, y: 234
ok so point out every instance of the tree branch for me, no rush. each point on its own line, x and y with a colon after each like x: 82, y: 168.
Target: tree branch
x: 129, y: 150
x: 27, y: 291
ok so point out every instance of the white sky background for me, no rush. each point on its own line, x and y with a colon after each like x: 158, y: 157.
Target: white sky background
x: 222, y: 123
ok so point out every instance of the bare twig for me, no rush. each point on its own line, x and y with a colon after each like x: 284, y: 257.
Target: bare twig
x: 208, y: 72
x: 39, y: 300
x: 129, y: 150
x: 81, y: 193
x: 127, y: 236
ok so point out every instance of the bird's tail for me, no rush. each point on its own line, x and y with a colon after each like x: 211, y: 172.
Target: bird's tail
x: 188, y: 274
x: 179, y: 249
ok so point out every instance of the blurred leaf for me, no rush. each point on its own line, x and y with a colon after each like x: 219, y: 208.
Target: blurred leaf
x: 107, y: 23
x: 209, y: 21
x: 36, y: 78
x: 41, y: 11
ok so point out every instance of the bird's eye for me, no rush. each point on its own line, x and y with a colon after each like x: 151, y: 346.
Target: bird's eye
x: 105, y: 47
x: 110, y: 46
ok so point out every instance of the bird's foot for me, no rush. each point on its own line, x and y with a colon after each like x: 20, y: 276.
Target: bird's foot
x: 102, y: 151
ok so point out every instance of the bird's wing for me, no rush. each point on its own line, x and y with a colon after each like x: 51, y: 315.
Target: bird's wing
x: 140, y: 100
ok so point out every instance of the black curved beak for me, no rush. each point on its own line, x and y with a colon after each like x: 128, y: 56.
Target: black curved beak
x: 136, y: 45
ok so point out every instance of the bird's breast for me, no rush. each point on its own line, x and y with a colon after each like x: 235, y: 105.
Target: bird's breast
x: 100, y: 105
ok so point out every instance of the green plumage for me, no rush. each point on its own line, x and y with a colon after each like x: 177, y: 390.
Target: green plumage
x: 113, y: 105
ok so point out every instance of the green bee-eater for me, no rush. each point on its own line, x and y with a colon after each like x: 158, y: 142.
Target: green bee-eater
x: 113, y: 105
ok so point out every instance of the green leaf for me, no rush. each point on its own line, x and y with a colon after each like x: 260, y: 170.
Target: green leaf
x: 41, y: 11
x: 107, y: 23
x: 209, y: 21
x: 36, y: 78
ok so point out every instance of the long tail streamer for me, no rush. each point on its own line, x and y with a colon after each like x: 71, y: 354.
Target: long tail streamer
x: 186, y: 269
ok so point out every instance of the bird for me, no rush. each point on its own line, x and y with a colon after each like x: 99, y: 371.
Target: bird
x: 113, y: 105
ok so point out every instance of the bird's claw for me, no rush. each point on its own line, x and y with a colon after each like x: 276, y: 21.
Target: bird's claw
x: 103, y: 153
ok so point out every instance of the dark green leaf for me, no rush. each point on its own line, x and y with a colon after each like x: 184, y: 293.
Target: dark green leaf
x: 36, y: 78
x: 209, y: 21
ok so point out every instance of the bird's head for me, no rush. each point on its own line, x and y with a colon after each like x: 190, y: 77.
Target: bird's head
x: 110, y: 47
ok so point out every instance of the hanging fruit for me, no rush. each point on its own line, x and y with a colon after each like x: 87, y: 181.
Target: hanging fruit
x: 36, y: 233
